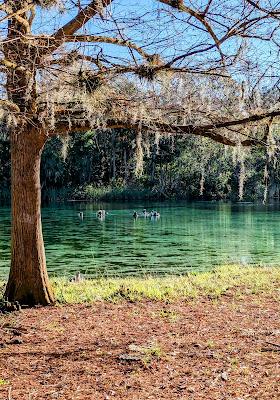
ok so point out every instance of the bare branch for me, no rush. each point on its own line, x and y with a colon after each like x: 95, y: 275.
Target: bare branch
x: 179, y: 5
x: 17, y: 14
x: 109, y: 40
x: 80, y: 124
x: 271, y: 13
x: 6, y: 104
x: 94, y: 8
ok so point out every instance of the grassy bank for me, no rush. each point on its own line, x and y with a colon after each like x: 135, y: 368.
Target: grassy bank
x: 114, y: 193
x: 242, y: 280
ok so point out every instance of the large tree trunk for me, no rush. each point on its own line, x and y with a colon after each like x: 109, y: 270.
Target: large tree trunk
x: 28, y: 281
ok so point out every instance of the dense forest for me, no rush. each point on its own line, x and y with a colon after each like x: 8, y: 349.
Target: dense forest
x: 104, y: 166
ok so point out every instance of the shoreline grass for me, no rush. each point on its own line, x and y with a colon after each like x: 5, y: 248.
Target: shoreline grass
x: 243, y: 279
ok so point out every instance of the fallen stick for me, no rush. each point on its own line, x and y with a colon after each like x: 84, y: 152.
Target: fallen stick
x: 276, y: 347
x: 273, y: 344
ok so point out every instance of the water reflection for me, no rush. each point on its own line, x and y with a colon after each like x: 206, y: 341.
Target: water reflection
x: 197, y: 235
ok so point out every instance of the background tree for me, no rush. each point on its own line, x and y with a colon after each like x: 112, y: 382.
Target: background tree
x: 198, y: 73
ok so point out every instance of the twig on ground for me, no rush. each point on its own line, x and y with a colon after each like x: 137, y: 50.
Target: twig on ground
x: 272, y: 349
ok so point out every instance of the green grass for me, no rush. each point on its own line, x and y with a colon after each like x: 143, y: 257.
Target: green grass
x: 244, y: 280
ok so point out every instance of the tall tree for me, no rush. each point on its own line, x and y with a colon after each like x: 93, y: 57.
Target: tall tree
x: 195, y: 73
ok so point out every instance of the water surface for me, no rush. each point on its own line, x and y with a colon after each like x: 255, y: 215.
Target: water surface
x: 187, y: 236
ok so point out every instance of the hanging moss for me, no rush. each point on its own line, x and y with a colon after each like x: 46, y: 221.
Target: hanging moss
x: 47, y: 3
x: 89, y: 81
x: 242, y: 178
x: 139, y: 155
x: 148, y: 72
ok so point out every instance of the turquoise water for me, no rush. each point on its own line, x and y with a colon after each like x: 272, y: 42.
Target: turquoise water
x: 187, y: 236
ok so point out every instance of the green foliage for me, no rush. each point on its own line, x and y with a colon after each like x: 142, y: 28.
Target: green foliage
x: 101, y: 166
x: 111, y: 193
x: 154, y: 351
x: 169, y: 315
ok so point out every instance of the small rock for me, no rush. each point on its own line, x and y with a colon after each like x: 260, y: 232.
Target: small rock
x: 224, y: 376
x: 130, y: 357
x: 16, y: 341
x: 16, y: 332
x: 9, y: 307
x: 135, y: 347
x: 18, y: 306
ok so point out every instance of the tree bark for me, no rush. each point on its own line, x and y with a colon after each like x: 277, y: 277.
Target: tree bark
x: 28, y: 281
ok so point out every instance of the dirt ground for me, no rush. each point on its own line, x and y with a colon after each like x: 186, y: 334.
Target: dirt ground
x: 147, y: 350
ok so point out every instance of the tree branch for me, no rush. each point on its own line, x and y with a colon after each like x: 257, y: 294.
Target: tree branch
x: 109, y: 40
x: 179, y: 5
x: 9, y: 105
x: 16, y: 14
x: 84, y: 15
x: 80, y: 124
x: 273, y: 14
x: 243, y: 121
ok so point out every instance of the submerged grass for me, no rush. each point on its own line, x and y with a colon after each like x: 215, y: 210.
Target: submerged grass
x: 214, y: 283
